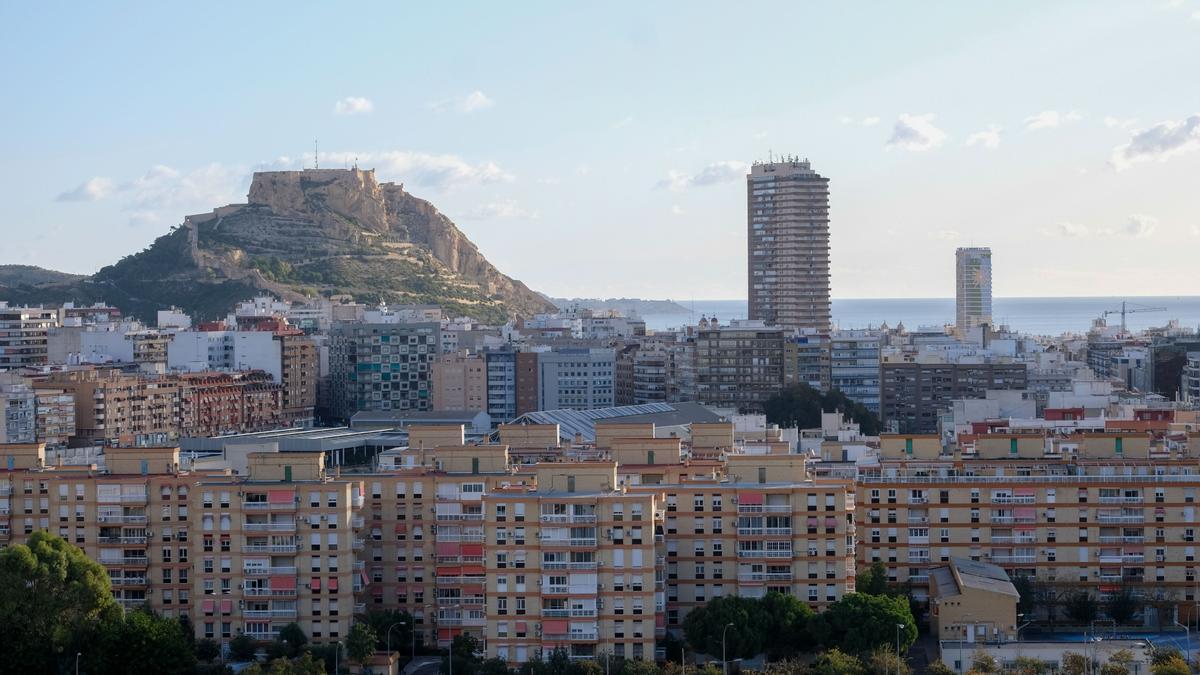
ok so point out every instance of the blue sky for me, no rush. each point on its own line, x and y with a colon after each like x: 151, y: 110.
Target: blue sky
x: 599, y: 149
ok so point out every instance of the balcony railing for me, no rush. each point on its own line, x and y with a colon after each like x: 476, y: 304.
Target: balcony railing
x: 1014, y: 499
x: 562, y: 565
x: 765, y: 531
x: 759, y: 553
x: 268, y: 613
x: 470, y: 537
x: 269, y: 592
x: 567, y: 518
x: 271, y: 548
x: 134, y: 560
x: 128, y: 581
x: 452, y: 517
x: 764, y: 508
x: 1122, y: 518
x: 268, y: 506
x: 267, y: 571
x: 764, y: 576
x: 1017, y: 539
x: 1122, y: 539
x: 568, y: 541
x: 1121, y: 500
x: 132, y: 520
x: 573, y: 636
x: 289, y: 526
x: 1014, y: 559
x: 138, y: 498
x: 1022, y: 520
x: 141, y: 541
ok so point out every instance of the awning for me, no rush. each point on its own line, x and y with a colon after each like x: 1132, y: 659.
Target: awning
x: 449, y: 571
x: 554, y: 627
x: 316, y: 584
x: 755, y: 498
x: 445, y: 633
x: 1024, y: 492
x: 281, y: 497
x: 377, y: 591
x: 333, y: 584
x: 401, y: 528
x: 283, y: 583
x: 448, y: 549
x: 472, y: 549
x: 472, y: 570
x: 830, y: 522
x: 522, y: 627
x: 208, y: 606
x: 812, y: 521
x: 1025, y: 513
x: 226, y: 606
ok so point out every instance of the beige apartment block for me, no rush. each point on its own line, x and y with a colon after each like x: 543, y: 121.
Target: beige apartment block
x: 459, y: 382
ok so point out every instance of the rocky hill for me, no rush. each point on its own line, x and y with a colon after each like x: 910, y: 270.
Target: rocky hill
x: 302, y: 234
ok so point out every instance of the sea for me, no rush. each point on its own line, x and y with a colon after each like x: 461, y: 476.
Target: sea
x: 1035, y: 316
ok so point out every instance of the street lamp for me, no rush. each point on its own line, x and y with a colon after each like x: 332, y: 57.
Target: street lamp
x: 1187, y: 632
x: 724, y: 661
x: 77, y: 655
x: 337, y: 649
x: 898, y: 627
x: 389, y: 637
x: 1021, y: 616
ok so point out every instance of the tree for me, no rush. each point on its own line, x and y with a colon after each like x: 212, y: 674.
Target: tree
x: 884, y: 661
x: 139, y: 642
x: 1118, y: 663
x: 381, y: 620
x: 1027, y: 665
x: 744, y: 637
x: 1027, y: 601
x: 938, y: 668
x: 874, y: 581
x: 494, y: 666
x: 1081, y: 608
x: 305, y: 664
x: 586, y: 668
x: 858, y: 623
x: 1172, y: 666
x: 982, y: 662
x: 787, y: 620
x: 639, y: 667
x: 242, y: 648
x: 1122, y: 606
x: 207, y: 649
x: 801, y: 406
x: 51, y: 597
x: 293, y: 637
x: 1074, y: 664
x: 360, y: 644
x: 837, y: 662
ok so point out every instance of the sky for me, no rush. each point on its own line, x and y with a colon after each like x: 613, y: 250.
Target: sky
x: 600, y: 149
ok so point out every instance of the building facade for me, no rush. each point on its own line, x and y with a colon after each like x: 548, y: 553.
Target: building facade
x: 788, y: 236
x: 24, y: 335
x: 914, y: 395
x: 739, y: 366
x: 576, y: 378
x: 460, y: 382
x: 381, y: 367
x: 973, y: 288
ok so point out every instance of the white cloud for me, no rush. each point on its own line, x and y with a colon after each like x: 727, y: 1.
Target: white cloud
x: 353, y: 105
x: 90, y: 190
x: 1196, y: 15
x: 623, y: 122
x: 759, y: 135
x: 423, y: 169
x: 472, y: 102
x: 945, y: 235
x: 1196, y: 230
x: 1114, y: 122
x: 1050, y: 119
x: 916, y: 133
x: 503, y: 209
x: 868, y: 121
x: 988, y: 138
x: 1137, y: 226
x: 717, y: 172
x: 1068, y: 230
x: 676, y: 210
x: 1159, y: 142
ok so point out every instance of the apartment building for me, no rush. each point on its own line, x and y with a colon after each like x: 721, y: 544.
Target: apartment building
x: 973, y: 288
x: 854, y: 358
x: 1099, y: 512
x: 460, y: 382
x: 806, y: 360
x: 18, y: 410
x: 576, y: 378
x: 739, y: 366
x: 113, y: 408
x: 54, y: 416
x: 914, y: 395
x: 23, y: 335
x: 214, y: 404
x: 381, y: 366
x: 787, y: 206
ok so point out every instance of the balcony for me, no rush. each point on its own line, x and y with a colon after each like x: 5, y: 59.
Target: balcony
x: 573, y: 636
x: 1123, y: 558
x: 269, y: 613
x: 269, y: 592
x: 580, y: 542
x: 1013, y: 559
x: 128, y: 581
x: 567, y: 518
x: 268, y: 506
x: 1120, y: 519
x: 262, y: 636
x: 918, y: 500
x: 469, y: 537
x: 1113, y: 539
x: 1014, y: 499
x: 1010, y: 520
x: 138, y: 560
x: 267, y: 571
x: 139, y: 541
x: 137, y: 498
x: 765, y: 576
x: 1015, y: 539
x: 759, y: 553
x: 357, y: 522
x: 458, y: 517
x: 765, y: 531
x: 289, y: 526
x: 764, y: 508
x: 271, y: 548
x: 358, y: 544
x: 129, y: 520
x: 1121, y: 500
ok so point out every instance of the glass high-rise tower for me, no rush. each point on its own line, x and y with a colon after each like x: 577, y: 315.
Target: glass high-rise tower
x: 973, y: 287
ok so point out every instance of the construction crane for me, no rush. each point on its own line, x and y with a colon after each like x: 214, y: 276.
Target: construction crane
x: 1130, y: 308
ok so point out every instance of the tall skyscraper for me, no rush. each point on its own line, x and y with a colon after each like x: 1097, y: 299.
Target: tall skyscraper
x: 973, y: 294
x: 788, y: 240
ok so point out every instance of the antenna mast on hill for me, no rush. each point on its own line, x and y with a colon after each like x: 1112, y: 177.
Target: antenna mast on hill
x: 316, y: 156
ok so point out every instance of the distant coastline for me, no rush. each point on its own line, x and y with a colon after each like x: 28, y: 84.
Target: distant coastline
x: 627, y: 306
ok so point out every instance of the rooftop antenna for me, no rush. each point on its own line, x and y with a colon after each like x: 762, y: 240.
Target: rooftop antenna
x: 316, y: 156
